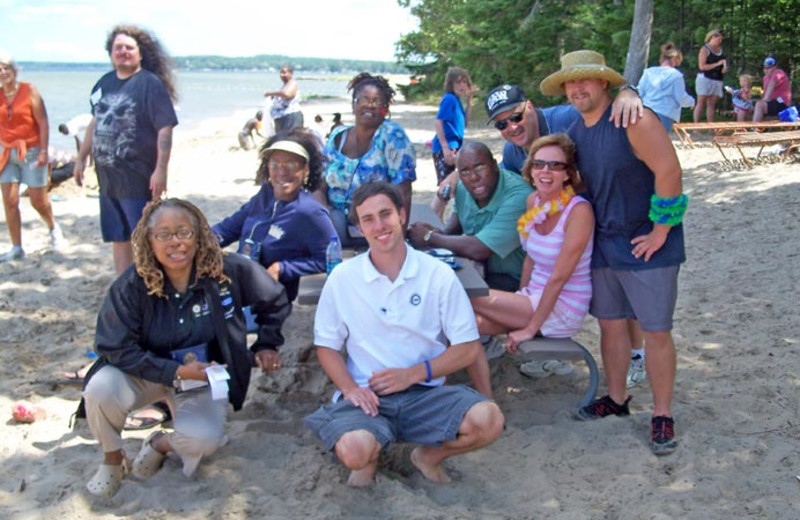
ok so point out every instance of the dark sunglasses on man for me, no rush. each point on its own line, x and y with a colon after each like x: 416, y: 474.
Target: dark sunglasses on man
x: 514, y: 118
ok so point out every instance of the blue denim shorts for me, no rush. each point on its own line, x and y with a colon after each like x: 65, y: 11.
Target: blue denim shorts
x: 420, y: 415
x: 25, y: 172
x: 118, y: 217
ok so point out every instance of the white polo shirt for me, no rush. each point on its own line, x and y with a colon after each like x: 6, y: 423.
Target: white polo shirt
x: 396, y: 324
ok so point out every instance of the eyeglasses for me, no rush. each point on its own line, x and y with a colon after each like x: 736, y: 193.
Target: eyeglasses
x: 364, y: 101
x: 166, y: 236
x: 291, y: 166
x: 478, y: 169
x: 515, y: 118
x: 5, y: 69
x: 556, y: 166
x: 10, y: 113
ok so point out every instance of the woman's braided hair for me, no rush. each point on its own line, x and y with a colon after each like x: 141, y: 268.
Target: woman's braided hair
x: 207, y: 259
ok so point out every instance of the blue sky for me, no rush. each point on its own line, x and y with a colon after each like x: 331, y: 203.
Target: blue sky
x: 75, y: 30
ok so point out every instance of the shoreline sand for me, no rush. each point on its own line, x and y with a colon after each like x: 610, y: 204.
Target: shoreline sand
x: 736, y: 399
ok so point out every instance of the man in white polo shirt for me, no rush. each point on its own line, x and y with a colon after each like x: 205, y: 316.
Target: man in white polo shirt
x: 396, y: 310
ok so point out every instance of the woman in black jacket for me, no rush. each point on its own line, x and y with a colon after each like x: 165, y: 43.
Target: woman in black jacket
x: 164, y: 323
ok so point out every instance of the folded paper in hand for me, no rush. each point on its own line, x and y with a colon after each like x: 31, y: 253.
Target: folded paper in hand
x: 218, y: 379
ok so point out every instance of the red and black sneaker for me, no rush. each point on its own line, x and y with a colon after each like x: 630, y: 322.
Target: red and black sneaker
x: 602, y: 407
x: 663, y: 435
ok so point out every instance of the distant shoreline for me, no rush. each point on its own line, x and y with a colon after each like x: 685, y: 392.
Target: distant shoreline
x: 262, y: 63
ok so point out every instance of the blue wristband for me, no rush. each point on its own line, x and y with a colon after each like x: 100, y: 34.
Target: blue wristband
x: 428, y: 369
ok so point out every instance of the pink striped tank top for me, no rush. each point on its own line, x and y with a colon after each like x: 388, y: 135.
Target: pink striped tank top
x: 567, y: 316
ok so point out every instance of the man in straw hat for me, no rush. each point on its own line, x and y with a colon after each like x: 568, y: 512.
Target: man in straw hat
x: 633, y: 179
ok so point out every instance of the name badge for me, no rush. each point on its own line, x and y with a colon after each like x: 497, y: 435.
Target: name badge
x: 275, y: 232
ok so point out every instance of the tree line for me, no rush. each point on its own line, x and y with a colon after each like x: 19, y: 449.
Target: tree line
x: 521, y: 41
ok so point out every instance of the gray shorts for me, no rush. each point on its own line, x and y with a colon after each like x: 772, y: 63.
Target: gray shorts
x: 648, y: 295
x: 420, y: 415
x: 708, y: 87
x: 26, y: 171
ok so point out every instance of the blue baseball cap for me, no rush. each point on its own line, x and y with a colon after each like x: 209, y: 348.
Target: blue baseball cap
x: 770, y: 62
x: 502, y: 98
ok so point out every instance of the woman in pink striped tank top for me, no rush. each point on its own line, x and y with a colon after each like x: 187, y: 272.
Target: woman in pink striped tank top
x: 556, y: 232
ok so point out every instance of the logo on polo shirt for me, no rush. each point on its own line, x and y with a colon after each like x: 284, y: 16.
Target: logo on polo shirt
x: 415, y: 299
x: 200, y: 310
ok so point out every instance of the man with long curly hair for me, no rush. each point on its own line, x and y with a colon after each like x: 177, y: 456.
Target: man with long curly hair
x: 130, y: 136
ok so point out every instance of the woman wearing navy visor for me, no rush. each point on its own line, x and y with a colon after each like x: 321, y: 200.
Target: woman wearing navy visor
x: 283, y: 227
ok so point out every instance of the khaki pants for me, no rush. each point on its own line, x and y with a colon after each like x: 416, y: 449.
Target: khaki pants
x: 199, y: 421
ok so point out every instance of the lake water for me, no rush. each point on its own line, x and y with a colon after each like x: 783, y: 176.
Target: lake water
x: 202, y: 95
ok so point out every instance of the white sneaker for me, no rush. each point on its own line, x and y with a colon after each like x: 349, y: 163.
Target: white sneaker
x: 546, y: 368
x: 16, y: 253
x: 636, y: 372
x: 57, y: 240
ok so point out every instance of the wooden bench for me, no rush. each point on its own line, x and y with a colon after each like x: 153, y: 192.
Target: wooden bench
x: 563, y: 349
x: 728, y: 127
x: 761, y: 139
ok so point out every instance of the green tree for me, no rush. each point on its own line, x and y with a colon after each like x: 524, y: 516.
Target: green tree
x: 521, y: 41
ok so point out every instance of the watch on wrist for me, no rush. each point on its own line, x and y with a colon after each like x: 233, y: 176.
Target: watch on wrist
x: 631, y: 87
x: 427, y: 237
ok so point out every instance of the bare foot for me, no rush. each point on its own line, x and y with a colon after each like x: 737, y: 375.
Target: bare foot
x: 363, y: 477
x: 146, y: 418
x: 432, y: 472
x: 79, y: 374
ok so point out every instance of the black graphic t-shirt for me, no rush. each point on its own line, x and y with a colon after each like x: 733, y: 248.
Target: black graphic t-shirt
x: 128, y: 114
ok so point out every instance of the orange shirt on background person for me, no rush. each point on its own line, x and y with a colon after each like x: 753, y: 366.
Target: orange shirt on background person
x: 17, y: 121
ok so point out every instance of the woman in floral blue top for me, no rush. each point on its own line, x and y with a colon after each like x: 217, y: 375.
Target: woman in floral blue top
x: 375, y: 149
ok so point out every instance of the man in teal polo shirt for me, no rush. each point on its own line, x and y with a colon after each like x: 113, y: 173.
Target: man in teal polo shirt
x: 483, y: 226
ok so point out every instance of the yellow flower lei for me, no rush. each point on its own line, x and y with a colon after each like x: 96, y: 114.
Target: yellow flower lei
x: 537, y: 214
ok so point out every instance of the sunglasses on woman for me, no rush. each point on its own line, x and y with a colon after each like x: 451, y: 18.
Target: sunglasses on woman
x: 515, y: 118
x: 556, y: 166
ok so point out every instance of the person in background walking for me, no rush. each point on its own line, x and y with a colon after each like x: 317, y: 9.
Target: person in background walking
x: 24, y: 137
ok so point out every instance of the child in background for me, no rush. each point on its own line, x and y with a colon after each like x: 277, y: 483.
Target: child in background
x: 451, y: 121
x: 742, y: 104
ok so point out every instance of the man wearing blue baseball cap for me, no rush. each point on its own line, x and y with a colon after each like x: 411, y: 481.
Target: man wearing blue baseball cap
x: 520, y: 123
x: 777, y: 91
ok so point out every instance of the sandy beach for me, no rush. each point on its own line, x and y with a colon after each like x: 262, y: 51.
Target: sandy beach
x: 736, y: 397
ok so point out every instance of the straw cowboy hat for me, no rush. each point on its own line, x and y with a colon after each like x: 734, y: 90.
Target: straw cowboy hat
x: 580, y: 65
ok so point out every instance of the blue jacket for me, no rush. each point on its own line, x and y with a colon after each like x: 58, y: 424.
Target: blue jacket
x: 294, y: 233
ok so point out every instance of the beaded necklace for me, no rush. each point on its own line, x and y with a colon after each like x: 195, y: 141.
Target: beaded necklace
x: 539, y: 213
